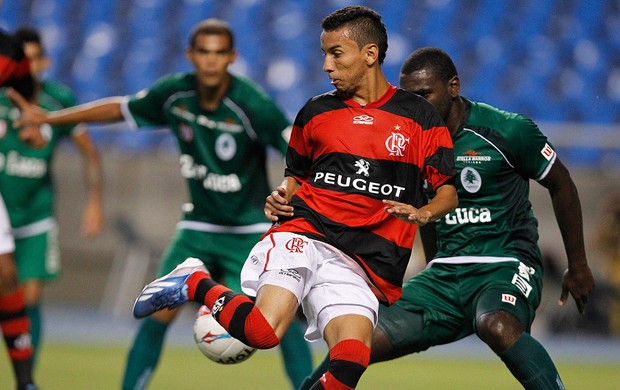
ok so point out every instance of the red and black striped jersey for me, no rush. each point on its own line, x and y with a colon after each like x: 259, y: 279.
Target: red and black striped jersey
x: 349, y: 158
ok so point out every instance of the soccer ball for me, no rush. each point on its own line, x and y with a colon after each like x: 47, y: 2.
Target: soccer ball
x: 215, y: 343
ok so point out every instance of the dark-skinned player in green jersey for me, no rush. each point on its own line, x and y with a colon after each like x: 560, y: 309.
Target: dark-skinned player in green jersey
x: 223, y: 124
x: 485, y: 275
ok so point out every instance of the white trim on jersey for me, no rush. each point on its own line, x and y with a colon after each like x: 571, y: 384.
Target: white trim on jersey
x: 492, y: 144
x: 177, y: 95
x: 247, y: 125
x: 548, y: 168
x: 469, y: 260
x: 127, y: 114
x: 35, y: 228
x: 211, y: 228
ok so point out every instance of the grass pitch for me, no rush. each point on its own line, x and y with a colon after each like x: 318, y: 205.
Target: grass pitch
x: 95, y: 367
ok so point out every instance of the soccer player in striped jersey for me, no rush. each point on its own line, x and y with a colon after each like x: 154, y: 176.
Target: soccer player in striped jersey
x: 353, y: 153
x: 485, y: 272
x: 224, y: 125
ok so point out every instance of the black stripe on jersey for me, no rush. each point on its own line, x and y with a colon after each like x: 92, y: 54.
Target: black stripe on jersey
x: 410, y: 105
x: 383, y: 257
x: 304, y: 163
x: 328, y: 101
x: 11, y: 315
x: 441, y: 161
x: 374, y: 178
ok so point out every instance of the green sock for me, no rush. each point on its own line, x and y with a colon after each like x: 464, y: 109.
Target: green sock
x: 144, y: 354
x: 531, y: 365
x: 34, y: 314
x: 296, y: 354
x: 316, y: 374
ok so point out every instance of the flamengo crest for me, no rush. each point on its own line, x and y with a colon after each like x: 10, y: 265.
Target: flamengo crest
x: 296, y: 245
x: 396, y: 143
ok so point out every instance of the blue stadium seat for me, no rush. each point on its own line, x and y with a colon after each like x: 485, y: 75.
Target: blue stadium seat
x: 551, y: 60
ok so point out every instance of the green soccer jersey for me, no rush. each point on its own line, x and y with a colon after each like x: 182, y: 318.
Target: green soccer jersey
x: 25, y: 172
x: 496, y: 154
x: 223, y: 152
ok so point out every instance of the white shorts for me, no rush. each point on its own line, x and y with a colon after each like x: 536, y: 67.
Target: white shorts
x: 325, y: 281
x: 7, y: 243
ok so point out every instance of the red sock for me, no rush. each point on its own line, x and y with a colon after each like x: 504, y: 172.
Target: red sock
x: 235, y: 312
x: 347, y: 362
x: 15, y: 327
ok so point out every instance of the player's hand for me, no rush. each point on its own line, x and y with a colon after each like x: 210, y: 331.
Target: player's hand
x: 29, y: 121
x: 407, y: 213
x: 31, y: 135
x: 277, y: 205
x: 578, y: 281
x: 31, y: 115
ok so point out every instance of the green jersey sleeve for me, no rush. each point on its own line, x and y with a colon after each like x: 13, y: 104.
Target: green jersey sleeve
x: 147, y: 107
x: 533, y: 152
x: 56, y: 96
x: 269, y: 122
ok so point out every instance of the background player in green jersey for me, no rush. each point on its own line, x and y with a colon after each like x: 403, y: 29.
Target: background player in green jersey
x: 486, y: 272
x: 26, y: 184
x: 223, y: 124
x: 14, y: 323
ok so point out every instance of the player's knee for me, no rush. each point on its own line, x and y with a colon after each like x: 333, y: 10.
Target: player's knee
x: 499, y: 330
x: 8, y: 280
x: 382, y: 348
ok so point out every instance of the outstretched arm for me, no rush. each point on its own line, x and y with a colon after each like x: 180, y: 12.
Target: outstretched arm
x: 103, y: 110
x: 578, y: 279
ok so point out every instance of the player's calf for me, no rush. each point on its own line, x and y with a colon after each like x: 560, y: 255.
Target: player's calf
x: 347, y: 362
x: 235, y: 312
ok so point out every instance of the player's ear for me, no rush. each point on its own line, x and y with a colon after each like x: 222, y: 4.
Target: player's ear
x: 372, y: 53
x: 189, y: 54
x: 234, y: 54
x: 454, y: 86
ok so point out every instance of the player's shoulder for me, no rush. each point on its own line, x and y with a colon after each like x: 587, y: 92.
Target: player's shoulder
x: 318, y: 105
x: 59, y: 92
x: 251, y: 97
x: 486, y: 115
x: 409, y: 105
x: 175, y: 82
x: 244, y: 90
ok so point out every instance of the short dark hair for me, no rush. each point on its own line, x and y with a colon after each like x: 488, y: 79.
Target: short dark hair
x: 19, y: 78
x: 28, y: 35
x: 212, y: 26
x: 364, y: 24
x: 433, y: 58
